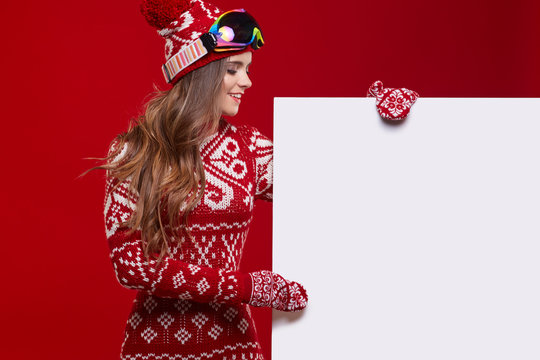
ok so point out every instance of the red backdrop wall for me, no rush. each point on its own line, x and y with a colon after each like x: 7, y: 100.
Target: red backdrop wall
x: 75, y: 72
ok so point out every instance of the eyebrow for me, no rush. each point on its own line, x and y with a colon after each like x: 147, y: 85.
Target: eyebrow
x: 237, y: 63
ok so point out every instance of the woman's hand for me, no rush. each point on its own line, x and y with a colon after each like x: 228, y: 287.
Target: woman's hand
x: 273, y: 290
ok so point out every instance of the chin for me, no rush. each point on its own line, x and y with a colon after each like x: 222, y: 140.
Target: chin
x: 229, y: 113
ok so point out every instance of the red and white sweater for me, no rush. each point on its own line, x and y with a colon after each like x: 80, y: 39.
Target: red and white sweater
x: 188, y: 307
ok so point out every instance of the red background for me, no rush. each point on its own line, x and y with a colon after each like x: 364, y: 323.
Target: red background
x: 74, y: 72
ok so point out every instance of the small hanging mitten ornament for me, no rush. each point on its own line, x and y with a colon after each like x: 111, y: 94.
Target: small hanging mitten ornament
x: 392, y: 104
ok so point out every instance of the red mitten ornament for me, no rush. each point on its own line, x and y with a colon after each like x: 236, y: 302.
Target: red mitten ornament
x: 273, y: 290
x: 392, y: 104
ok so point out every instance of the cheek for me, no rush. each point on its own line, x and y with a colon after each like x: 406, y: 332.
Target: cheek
x: 222, y: 95
x: 223, y: 99
x: 225, y: 104
x: 224, y: 91
x: 229, y: 81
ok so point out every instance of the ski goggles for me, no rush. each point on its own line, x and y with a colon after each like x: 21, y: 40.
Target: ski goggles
x: 232, y: 31
x: 235, y: 30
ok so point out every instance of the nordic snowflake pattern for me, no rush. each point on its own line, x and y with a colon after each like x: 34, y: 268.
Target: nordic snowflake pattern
x: 192, y: 297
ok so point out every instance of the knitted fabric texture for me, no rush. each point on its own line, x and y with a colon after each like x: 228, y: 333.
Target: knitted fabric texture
x: 392, y: 104
x: 273, y: 290
x: 182, y: 22
x: 189, y: 306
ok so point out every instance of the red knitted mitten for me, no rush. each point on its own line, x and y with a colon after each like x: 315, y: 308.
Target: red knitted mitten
x: 392, y: 104
x: 265, y: 288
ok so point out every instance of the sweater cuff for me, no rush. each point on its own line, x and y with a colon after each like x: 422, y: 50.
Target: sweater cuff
x: 245, y: 288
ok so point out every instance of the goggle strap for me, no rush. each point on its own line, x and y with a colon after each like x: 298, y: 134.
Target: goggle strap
x: 209, y: 41
x: 183, y: 59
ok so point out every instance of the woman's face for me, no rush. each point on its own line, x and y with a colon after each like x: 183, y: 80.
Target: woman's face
x: 235, y: 83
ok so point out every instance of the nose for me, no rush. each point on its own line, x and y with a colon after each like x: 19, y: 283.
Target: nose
x: 245, y: 81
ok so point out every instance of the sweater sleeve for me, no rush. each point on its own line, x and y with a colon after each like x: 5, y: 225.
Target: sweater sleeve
x: 263, y: 150
x: 171, y: 278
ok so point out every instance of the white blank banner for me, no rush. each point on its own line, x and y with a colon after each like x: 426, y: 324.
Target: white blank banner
x: 414, y: 241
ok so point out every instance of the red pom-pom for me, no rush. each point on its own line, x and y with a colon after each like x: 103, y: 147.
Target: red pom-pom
x: 160, y: 13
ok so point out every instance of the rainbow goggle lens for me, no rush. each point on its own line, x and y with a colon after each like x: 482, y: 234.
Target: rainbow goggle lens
x: 235, y: 30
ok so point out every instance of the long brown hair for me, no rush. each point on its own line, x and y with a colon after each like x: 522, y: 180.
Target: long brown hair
x: 161, y: 158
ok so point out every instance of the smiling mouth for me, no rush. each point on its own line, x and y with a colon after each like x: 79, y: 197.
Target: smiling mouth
x: 236, y: 97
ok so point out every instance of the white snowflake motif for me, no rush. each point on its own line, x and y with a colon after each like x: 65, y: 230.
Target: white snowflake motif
x: 395, y: 103
x: 150, y: 304
x: 135, y: 320
x: 178, y: 280
x: 230, y: 314
x: 165, y: 320
x: 215, y: 331
x: 243, y: 326
x: 194, y: 269
x: 199, y: 320
x: 182, y: 335
x: 149, y: 334
x: 182, y: 306
x: 296, y: 298
x: 202, y: 286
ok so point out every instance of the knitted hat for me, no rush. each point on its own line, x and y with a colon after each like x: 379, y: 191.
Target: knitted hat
x: 181, y: 23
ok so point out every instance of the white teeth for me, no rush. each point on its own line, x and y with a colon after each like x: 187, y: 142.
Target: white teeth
x: 238, y: 96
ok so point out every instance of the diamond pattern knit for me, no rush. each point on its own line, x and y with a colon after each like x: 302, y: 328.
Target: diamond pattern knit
x: 189, y: 306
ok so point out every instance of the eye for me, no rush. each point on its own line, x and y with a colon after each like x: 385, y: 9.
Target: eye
x: 232, y: 68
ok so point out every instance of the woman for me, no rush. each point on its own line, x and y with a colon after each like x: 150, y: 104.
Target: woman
x: 179, y: 196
